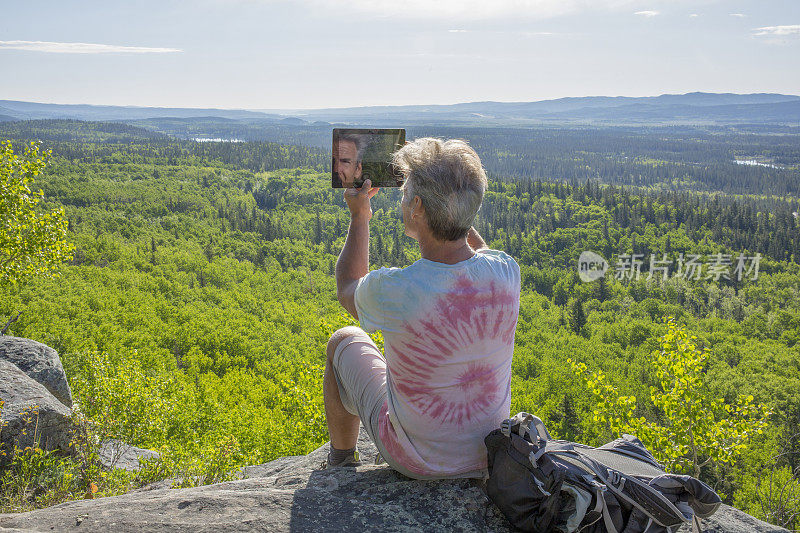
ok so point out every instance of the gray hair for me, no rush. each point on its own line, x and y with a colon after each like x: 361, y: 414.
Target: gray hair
x: 448, y: 178
x: 361, y: 142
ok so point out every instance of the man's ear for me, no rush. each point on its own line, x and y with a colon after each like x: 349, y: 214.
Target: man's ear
x: 417, y: 207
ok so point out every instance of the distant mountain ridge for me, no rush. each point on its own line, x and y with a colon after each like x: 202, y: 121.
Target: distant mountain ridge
x: 33, y: 111
x: 560, y: 104
x: 690, y: 108
x: 664, y: 109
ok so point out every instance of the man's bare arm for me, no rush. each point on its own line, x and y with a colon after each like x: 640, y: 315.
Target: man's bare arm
x: 353, y: 262
x: 475, y: 241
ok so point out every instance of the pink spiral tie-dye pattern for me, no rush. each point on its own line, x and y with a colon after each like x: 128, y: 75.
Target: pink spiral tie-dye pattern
x: 466, y: 322
x: 449, y: 370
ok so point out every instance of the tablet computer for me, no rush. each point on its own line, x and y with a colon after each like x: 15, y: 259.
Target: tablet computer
x: 360, y: 154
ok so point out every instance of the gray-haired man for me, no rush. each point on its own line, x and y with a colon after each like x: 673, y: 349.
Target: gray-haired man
x: 448, y: 320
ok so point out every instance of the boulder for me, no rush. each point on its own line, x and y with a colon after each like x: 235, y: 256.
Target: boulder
x: 30, y: 413
x: 38, y: 361
x: 117, y: 454
x: 293, y: 494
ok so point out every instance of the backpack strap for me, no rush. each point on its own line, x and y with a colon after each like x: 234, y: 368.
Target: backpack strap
x: 616, y: 481
x: 525, y: 424
x: 540, y: 429
x: 601, y: 507
x: 534, y: 456
x: 609, y: 523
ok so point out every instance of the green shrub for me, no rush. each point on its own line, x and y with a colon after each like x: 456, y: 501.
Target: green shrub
x: 696, y: 428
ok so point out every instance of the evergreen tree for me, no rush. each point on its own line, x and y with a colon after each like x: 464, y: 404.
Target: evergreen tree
x: 577, y: 317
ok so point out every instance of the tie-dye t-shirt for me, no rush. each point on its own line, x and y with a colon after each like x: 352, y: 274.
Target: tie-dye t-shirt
x: 448, y: 341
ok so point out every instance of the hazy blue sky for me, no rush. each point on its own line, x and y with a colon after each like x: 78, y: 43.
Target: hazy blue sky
x: 266, y: 54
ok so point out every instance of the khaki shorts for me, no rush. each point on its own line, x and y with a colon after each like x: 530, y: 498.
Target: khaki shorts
x: 360, y: 371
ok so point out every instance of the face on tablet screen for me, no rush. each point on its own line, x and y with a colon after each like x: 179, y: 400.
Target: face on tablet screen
x: 360, y: 154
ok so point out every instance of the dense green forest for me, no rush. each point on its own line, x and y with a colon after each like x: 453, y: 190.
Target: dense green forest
x: 689, y: 158
x: 194, y: 314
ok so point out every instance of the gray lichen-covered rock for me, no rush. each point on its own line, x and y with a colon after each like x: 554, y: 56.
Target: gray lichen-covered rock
x: 38, y: 361
x: 293, y: 494
x: 32, y: 415
x: 117, y: 454
x: 735, y: 521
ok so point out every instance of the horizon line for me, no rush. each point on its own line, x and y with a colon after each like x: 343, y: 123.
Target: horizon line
x: 326, y: 108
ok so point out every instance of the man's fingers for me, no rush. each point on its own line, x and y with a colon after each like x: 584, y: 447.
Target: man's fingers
x: 373, y: 191
x: 365, y: 188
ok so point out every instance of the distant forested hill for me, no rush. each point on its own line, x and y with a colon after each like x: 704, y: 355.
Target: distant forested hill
x: 79, y: 141
x: 34, y: 111
x: 667, y: 109
x: 686, y: 158
x: 65, y: 130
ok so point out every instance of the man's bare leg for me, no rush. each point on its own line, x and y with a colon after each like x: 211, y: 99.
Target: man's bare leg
x: 342, y: 426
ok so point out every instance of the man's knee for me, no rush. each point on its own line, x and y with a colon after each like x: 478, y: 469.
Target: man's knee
x: 338, y: 336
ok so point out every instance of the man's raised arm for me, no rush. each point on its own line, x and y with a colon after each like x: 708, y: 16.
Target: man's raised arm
x: 475, y: 241
x: 353, y: 262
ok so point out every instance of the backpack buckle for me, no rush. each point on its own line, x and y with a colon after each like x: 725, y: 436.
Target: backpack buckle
x: 540, y: 485
x: 505, y: 427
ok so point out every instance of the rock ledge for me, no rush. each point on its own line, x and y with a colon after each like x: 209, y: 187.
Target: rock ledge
x: 294, y: 494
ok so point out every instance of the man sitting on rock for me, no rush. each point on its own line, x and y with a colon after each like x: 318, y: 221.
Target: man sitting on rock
x: 448, y: 324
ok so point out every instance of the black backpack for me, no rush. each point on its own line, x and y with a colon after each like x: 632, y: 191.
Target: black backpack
x: 543, y: 485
